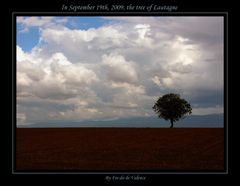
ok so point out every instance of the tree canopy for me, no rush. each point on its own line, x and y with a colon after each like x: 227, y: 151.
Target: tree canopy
x: 172, y: 107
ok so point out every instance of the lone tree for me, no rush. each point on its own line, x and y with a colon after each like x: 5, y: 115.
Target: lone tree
x: 172, y: 107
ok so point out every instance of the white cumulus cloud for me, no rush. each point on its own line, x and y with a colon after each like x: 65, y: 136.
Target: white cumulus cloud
x: 118, y: 69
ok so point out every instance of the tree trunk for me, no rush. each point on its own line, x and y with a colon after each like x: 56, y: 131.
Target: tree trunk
x: 171, y: 124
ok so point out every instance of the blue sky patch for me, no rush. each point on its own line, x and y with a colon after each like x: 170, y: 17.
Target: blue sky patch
x: 84, y: 23
x: 27, y: 40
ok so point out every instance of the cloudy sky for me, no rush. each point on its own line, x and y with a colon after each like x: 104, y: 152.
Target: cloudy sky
x: 103, y: 68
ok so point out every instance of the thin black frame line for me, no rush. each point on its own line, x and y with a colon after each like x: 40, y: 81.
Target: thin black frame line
x: 225, y: 71
x: 225, y: 49
x: 124, y: 14
x: 14, y: 81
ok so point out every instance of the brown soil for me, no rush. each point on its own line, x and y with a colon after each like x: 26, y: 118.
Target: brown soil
x: 114, y: 149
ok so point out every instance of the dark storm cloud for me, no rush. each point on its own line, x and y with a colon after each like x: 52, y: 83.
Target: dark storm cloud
x: 207, y: 98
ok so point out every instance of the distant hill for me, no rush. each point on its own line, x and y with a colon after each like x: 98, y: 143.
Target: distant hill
x: 193, y: 121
